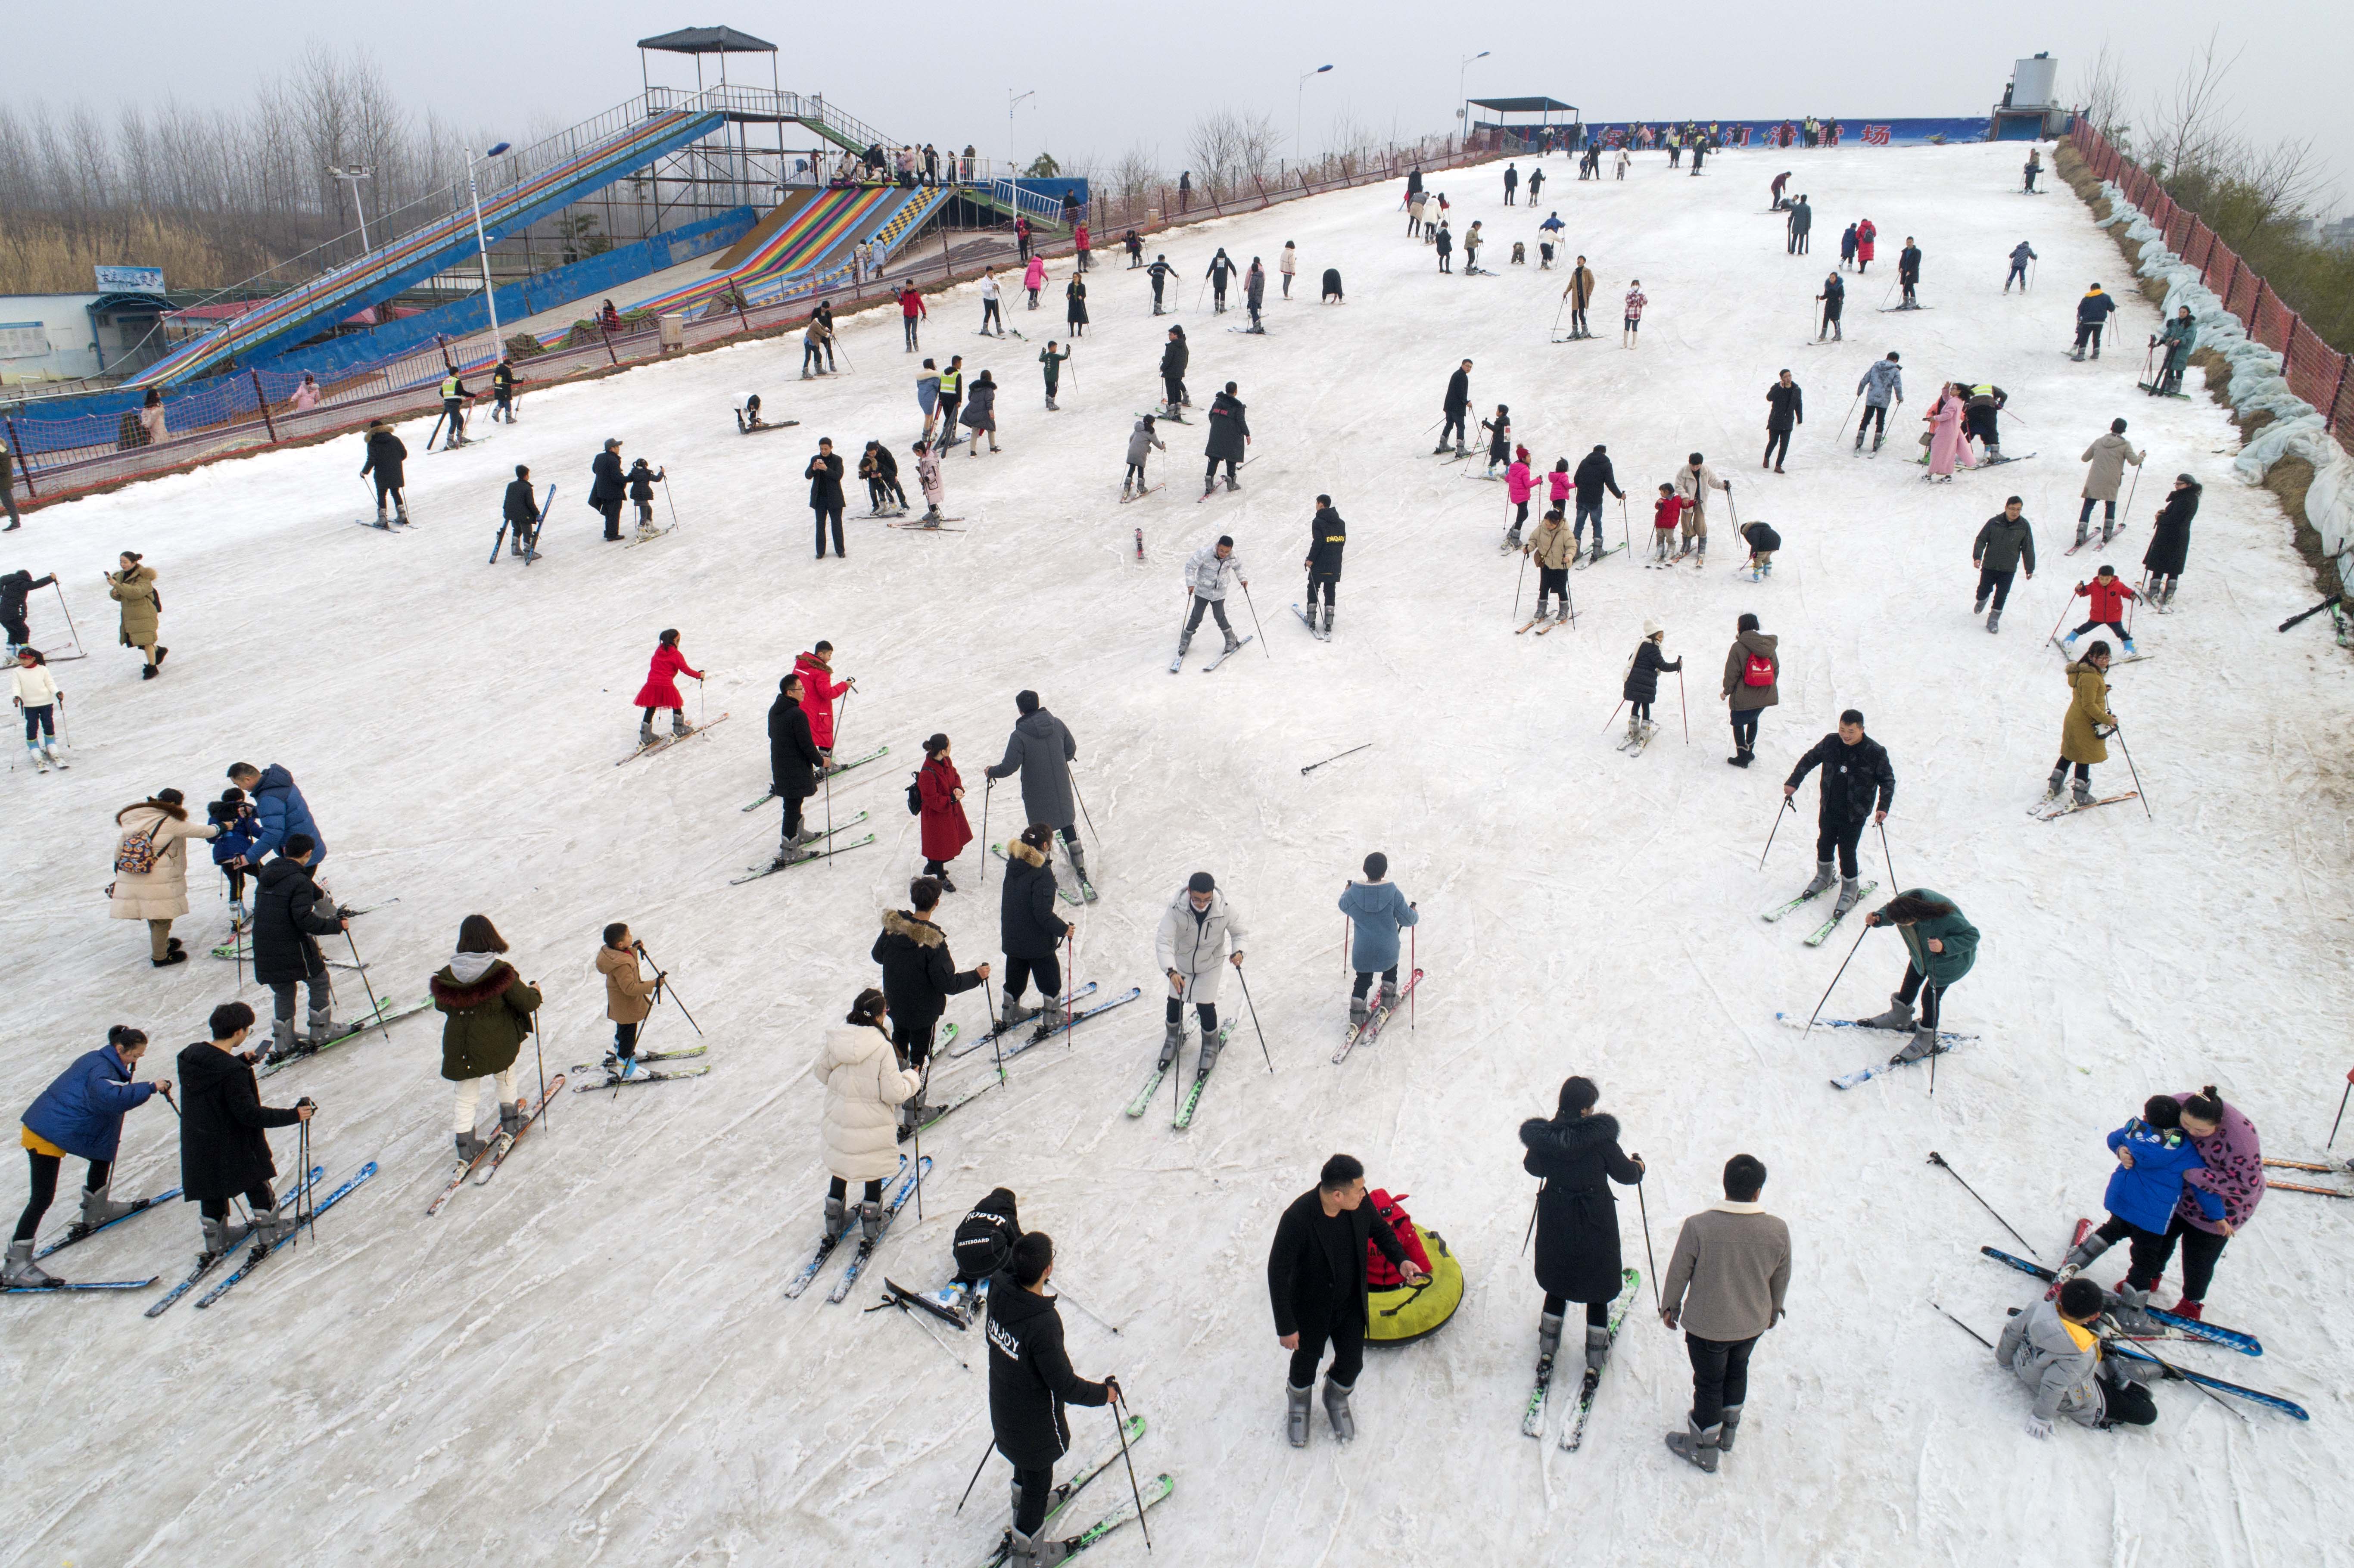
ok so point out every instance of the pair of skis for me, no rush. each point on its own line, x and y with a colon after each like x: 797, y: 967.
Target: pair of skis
x: 803, y: 852
x: 1532, y: 1417
x: 1183, y: 1117
x: 1821, y: 932
x: 838, y: 770
x: 1588, y: 557
x: 1223, y: 654
x: 387, y: 1012
x: 1081, y: 890
x: 1155, y: 1491
x: 1544, y: 623
x: 485, y: 1164
x: 865, y: 1250
x: 2051, y: 807
x: 1370, y: 1030
x: 1946, y: 1040
x: 981, y: 1041
x: 663, y: 743
x: 530, y: 545
x: 1314, y: 629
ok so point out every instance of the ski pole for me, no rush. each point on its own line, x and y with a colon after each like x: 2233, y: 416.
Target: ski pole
x: 1614, y: 716
x: 2130, y: 491
x: 1885, y: 298
x: 985, y: 789
x: 1964, y: 1328
x: 1119, y: 1419
x: 375, y: 1006
x: 1938, y: 1160
x: 1846, y: 417
x: 1254, y: 1012
x: 1082, y: 799
x: 1624, y: 537
x: 1775, y: 829
x: 985, y: 1453
x: 1061, y: 1293
x: 2341, y: 1111
x: 1889, y: 860
x: 1818, y: 1013
x: 2064, y: 606
x: 70, y: 619
x: 1532, y: 1218
x: 1334, y: 757
x: 828, y: 801
x: 659, y: 976
x: 1516, y: 585
x: 1412, y: 967
x: 2173, y: 1372
x: 538, y: 1051
x: 1256, y: 627
x: 671, y: 498
x: 1644, y: 1205
x: 2119, y: 730
x: 1681, y: 710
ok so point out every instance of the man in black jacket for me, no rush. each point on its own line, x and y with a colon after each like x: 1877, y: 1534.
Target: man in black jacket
x: 824, y: 474
x: 1173, y: 359
x: 1786, y: 406
x: 1316, y: 1279
x: 1459, y: 409
x: 224, y: 1140
x: 503, y: 389
x: 793, y: 762
x: 2092, y: 313
x: 16, y: 585
x: 522, y: 515
x: 1030, y: 1382
x: 2005, y: 541
x: 1592, y: 477
x: 1328, y: 535
x: 1856, y: 774
x: 290, y: 913
x: 606, y: 490
x: 918, y: 978
x: 1908, y: 273
x: 1801, y: 223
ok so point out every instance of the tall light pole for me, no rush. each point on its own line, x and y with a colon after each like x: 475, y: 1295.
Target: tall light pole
x: 1012, y: 163
x: 483, y: 247
x: 355, y: 174
x: 1299, y: 97
x: 1463, y: 110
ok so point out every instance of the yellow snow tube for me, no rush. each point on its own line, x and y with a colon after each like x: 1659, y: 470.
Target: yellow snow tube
x: 1402, y: 1315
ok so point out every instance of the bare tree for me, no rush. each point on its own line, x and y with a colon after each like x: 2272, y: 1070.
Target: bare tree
x: 1213, y: 144
x: 2101, y: 89
x: 1133, y: 174
x: 1257, y: 143
x: 2189, y: 128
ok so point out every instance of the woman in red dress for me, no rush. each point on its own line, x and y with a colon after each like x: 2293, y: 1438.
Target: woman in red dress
x: 661, y: 690
x: 945, y: 827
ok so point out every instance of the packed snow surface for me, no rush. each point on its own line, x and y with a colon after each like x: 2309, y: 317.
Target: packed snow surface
x: 589, y: 1359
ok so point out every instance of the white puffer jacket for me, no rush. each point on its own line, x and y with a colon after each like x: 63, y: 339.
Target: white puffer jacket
x: 1208, y: 575
x: 1198, y: 948
x: 864, y: 1084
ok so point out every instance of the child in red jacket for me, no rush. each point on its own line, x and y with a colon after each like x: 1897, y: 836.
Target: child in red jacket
x: 2108, y: 594
x: 1670, y: 511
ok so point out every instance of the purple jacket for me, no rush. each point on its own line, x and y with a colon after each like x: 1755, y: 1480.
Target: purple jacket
x: 2234, y: 1173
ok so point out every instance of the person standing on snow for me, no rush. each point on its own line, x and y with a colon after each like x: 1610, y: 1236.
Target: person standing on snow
x: 1030, y: 1382
x: 1577, y: 1155
x: 1519, y: 486
x: 1499, y: 437
x: 2108, y: 456
x: 1693, y: 482
x: 1867, y: 236
x: 488, y: 1010
x: 818, y: 691
x: 660, y: 688
x: 1940, y: 947
x: 642, y: 481
x: 1221, y: 266
x: 794, y: 762
x: 79, y: 1115
x: 1288, y: 263
x: 864, y: 1086
x: 1051, y: 363
x: 1554, y: 547
x: 2169, y: 541
x: 992, y: 318
x: 1458, y: 409
x: 1174, y: 356
x: 1141, y: 443
x: 291, y: 912
x: 2021, y: 254
x: 1512, y: 183
x: 224, y: 1136
x: 1377, y: 911
x: 1592, y: 477
x: 520, y: 512
x: 939, y: 790
x: 1642, y: 684
x: 1316, y: 1282
x: 1328, y: 535
x: 1833, y: 298
x: 1445, y: 244
x: 927, y: 480
x: 2181, y: 336
x: 1633, y: 324
x: 1194, y: 934
x: 1800, y: 223
x: 918, y: 978
x: 2092, y: 312
x: 1229, y: 434
x: 1726, y: 1281
x: 1159, y: 274
x: 1908, y: 273
x: 1858, y: 789
x: 2003, y: 545
x: 1785, y: 407
x: 1753, y: 672
x: 951, y: 397
x: 2107, y: 593
x: 1030, y: 933
x: 912, y: 310
x: 385, y: 454
x: 1041, y: 749
x: 1880, y: 386
x: 1254, y: 293
x: 1075, y: 308
x: 1847, y: 247
x: 824, y: 474
x: 154, y: 832
x: 629, y: 997
x: 1579, y: 293
x: 1207, y: 571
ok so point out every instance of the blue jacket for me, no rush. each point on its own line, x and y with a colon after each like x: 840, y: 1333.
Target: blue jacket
x: 283, y: 810
x: 2143, y: 1197
x: 81, y: 1111
x: 1379, y: 909
x: 239, y: 836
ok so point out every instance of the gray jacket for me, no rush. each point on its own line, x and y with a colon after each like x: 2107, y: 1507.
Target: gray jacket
x: 1208, y: 575
x: 1141, y: 440
x: 1735, y: 1260
x: 1041, y: 749
x: 1884, y: 381
x: 2108, y: 454
x: 2041, y: 1352
x: 1197, y: 948
x: 2001, y: 543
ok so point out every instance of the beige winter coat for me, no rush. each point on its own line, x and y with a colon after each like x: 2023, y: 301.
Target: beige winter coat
x: 135, y: 590
x: 864, y: 1085
x: 628, y: 992
x: 160, y: 893
x: 2108, y: 454
x: 1553, y: 546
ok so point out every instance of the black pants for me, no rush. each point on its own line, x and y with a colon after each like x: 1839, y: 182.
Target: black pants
x: 1577, y: 321
x: 989, y: 314
x: 1455, y: 420
x: 1745, y: 728
x: 1719, y: 1376
x: 45, y: 1167
x: 1365, y: 980
x: 1778, y: 446
x: 812, y: 359
x: 1019, y: 972
x: 1929, y: 993
x: 257, y: 1197
x: 838, y: 1188
x: 1907, y: 285
x: 2085, y: 514
x: 824, y: 515
x: 1875, y: 418
x: 1831, y: 327
x: 611, y: 510
x: 1218, y: 295
x: 2088, y: 333
x: 794, y: 817
x: 1210, y: 475
x: 948, y: 406
x: 1134, y: 476
x: 1347, y: 1338
x: 625, y: 1041
x: 506, y: 404
x: 1172, y: 392
x: 2200, y: 1251
x: 1206, y: 1013
x: 913, y: 1040
x: 1156, y: 297
x: 2018, y: 275
x: 2116, y: 626
x: 1834, y: 835
x: 2128, y: 1404
x: 2150, y: 1249
x: 1216, y: 606
x: 1329, y: 586
x: 1640, y: 710
x: 1552, y: 581
x: 1996, y: 583
x: 2084, y: 771
x: 1597, y: 1313
x: 1037, y: 1489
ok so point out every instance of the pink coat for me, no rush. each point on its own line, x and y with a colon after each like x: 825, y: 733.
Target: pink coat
x: 1080, y: 239
x: 1947, y: 445
x: 1557, y: 484
x: 1517, y: 482
x: 1035, y: 275
x: 306, y: 397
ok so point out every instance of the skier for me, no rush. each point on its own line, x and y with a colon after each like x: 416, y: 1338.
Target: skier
x: 1536, y: 183
x: 2107, y: 594
x: 1499, y: 437
x: 1030, y: 1382
x: 2083, y: 737
x: 1577, y: 1155
x: 814, y: 346
x: 1693, y: 482
x: 2035, y: 167
x: 1445, y: 242
x: 1415, y: 203
x: 880, y: 469
x: 1194, y: 931
x: 927, y: 480
x: 13, y: 587
x: 2091, y: 311
x: 502, y: 380
x: 1549, y: 235
x: 607, y: 490
x: 489, y: 1009
x: 224, y: 1136
x: 1029, y: 931
x: 939, y: 792
x: 1867, y: 236
x: 1950, y: 444
x: 918, y: 978
x: 35, y: 692
x: 1773, y: 193
x: 2169, y: 541
x: 2153, y: 1155
x: 819, y: 690
x: 661, y: 690
x: 1219, y: 267
x: 1833, y: 298
x: 2231, y: 1169
x: 1255, y: 294
x: 1753, y: 673
x: 1316, y: 1282
x: 1940, y: 945
x: 1519, y: 486
x: 1579, y: 293
x: 991, y: 309
x: 1034, y: 279
x: 1075, y: 311
x: 629, y: 996
x: 1205, y: 584
x: 1512, y: 183
x: 1981, y: 408
x: 454, y: 399
x: 1229, y: 433
x: 2107, y: 455
x: 642, y: 481
x: 911, y: 311
x: 2006, y: 541
x: 1288, y: 263
x: 1472, y: 240
x: 1041, y: 749
x: 1328, y: 535
x: 278, y: 808
x: 927, y: 397
x: 385, y: 456
x: 290, y: 912
x: 1786, y: 406
x: 1051, y: 364
x: 1134, y: 245
x: 1848, y: 246
x: 2054, y: 1348
x: 1554, y: 547
x: 1800, y: 223
x: 979, y: 414
x: 794, y: 762
x: 1159, y: 274
x: 1174, y: 356
x: 1644, y: 668
x: 1726, y: 1284
x: 2021, y: 254
x: 521, y: 514
x: 1762, y: 542
x: 1557, y: 487
x: 864, y: 1086
x: 1908, y: 274
x: 951, y: 398
x: 1858, y: 784
x: 1592, y: 477
x: 1881, y: 385
x: 2181, y: 336
x: 1376, y: 912
x: 1665, y: 512
x: 1141, y: 440
x: 1458, y: 409
x: 79, y: 1114
x: 1633, y: 321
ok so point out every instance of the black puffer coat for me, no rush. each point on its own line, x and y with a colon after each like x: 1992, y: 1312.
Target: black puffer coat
x: 793, y: 756
x: 2169, y: 541
x: 1228, y: 429
x: 1857, y: 780
x: 919, y: 974
x: 1577, y: 1215
x: 1030, y: 928
x: 224, y: 1147
x: 289, y: 914
x: 1643, y: 676
x: 1030, y: 1376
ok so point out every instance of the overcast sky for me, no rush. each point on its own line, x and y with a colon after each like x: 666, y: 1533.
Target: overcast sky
x: 1109, y: 76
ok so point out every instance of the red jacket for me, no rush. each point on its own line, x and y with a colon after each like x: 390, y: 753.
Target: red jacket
x: 946, y: 831
x: 661, y: 690
x: 2109, y: 601
x: 817, y: 691
x: 1671, y: 507
x: 911, y: 303
x: 1079, y: 237
x: 1864, y: 234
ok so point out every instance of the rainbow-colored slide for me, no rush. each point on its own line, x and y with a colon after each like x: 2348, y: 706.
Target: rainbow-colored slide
x: 831, y: 218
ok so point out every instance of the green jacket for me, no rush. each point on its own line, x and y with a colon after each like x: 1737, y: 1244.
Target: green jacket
x: 2180, y: 337
x: 484, y: 1020
x: 1959, y: 937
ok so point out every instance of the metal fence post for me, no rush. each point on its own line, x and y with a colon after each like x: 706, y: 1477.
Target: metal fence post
x: 261, y: 401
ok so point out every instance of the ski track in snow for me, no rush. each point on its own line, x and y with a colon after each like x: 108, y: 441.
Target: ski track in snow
x: 589, y: 1359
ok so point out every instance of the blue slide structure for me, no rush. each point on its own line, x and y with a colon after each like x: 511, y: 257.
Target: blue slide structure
x: 435, y: 248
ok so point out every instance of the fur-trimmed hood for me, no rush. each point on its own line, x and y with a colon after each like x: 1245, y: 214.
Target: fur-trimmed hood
x: 454, y: 993
x: 1025, y: 854
x: 1568, y: 1139
x: 913, y: 927
x: 178, y: 813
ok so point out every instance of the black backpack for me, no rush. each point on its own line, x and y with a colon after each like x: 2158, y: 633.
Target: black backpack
x: 915, y: 794
x: 985, y: 1238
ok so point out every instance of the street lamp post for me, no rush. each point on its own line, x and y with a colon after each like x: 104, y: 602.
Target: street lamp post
x: 483, y: 247
x: 1012, y: 163
x: 1299, y: 99
x: 1463, y: 110
x: 354, y: 174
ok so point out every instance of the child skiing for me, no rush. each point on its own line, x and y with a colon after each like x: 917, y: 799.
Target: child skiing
x: 1554, y: 547
x: 1642, y: 687
x: 1051, y: 363
x: 1519, y: 486
x: 927, y: 480
x: 661, y: 690
x: 1377, y: 911
x: 1141, y: 443
x: 1669, y: 509
x: 2107, y: 593
x: 1636, y: 301
x: 641, y: 480
x: 1499, y: 437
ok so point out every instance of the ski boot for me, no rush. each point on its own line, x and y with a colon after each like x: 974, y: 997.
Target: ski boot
x: 1389, y: 995
x: 1548, y: 1339
x: 1327, y: 620
x: 2131, y: 1308
x: 1234, y: 643
x: 1850, y: 894
x: 1439, y: 451
x: 98, y: 1209
x: 1597, y: 1347
x: 2171, y: 584
x: 273, y: 1226
x: 1336, y: 1409
x: 1358, y: 1012
x: 2129, y: 649
x: 1634, y: 729
x: 1699, y: 1443
x: 510, y: 1118
x: 645, y: 733
x: 2057, y: 782
x: 283, y: 1040
x: 1015, y: 1015
x: 382, y: 519
x: 2079, y: 793
x: 1924, y: 1043
x: 837, y: 1216
x: 1169, y: 1042
x: 470, y: 1147
x: 2084, y: 531
x: 626, y: 1068
x: 679, y: 727
x: 324, y: 1028
x: 1724, y: 1433
x: 41, y: 763
x: 241, y: 919
x: 870, y: 1220
x: 1994, y: 622
x: 2080, y: 1257
x: 1211, y: 1046
x: 1031, y: 1552
x: 1899, y: 1015
x: 21, y: 1272
x: 1878, y: 436
x: 1823, y: 877
x: 220, y: 1235
x: 1233, y: 483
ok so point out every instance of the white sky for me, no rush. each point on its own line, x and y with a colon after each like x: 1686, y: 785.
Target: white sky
x: 1108, y: 77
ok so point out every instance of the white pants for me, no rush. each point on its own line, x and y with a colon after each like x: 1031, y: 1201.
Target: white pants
x: 462, y: 1113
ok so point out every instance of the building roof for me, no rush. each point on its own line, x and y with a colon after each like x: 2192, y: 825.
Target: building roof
x: 1522, y: 105
x: 708, y: 41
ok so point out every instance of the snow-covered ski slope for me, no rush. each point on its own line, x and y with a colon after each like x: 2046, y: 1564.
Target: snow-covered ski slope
x: 589, y: 1360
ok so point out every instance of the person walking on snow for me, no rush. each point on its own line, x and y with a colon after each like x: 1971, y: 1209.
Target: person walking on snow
x: 1458, y: 409
x: 661, y: 690
x: 1785, y: 407
x: 1867, y: 236
x: 1577, y: 1155
x: 1075, y: 312
x: 1859, y: 787
x: 981, y: 411
x: 1880, y: 386
x: 824, y: 474
x: 1642, y: 685
x: 1693, y: 482
x: 1229, y: 434
x: 1316, y: 1282
x: 1753, y: 674
x: 2108, y: 456
x: 2021, y: 254
x: 1833, y: 298
x: 151, y: 870
x: 2006, y: 541
x: 2181, y: 336
x: 1041, y: 749
x: 1207, y: 571
x: 1328, y: 535
x: 1192, y: 938
x: 2169, y: 541
x: 79, y: 1115
x: 1800, y: 224
x: 1725, y: 1284
x: 2107, y: 593
x: 1940, y: 945
x: 1141, y: 440
x: 1377, y: 911
x: 35, y: 692
x: 911, y: 310
x: 2092, y: 312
